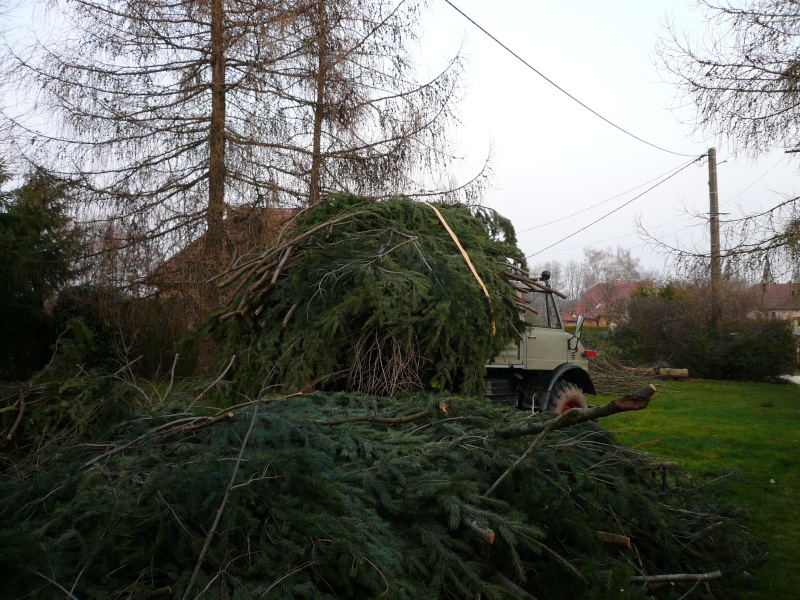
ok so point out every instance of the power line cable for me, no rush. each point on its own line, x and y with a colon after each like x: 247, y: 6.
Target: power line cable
x: 599, y: 203
x: 621, y: 206
x: 772, y: 168
x: 619, y: 237
x: 558, y: 87
x: 613, y: 239
x: 627, y: 235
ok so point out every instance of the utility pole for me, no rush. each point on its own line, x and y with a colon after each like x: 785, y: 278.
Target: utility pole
x: 716, y: 269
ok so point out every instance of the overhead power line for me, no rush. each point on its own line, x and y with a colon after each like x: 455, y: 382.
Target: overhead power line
x: 773, y: 167
x: 621, y: 206
x: 625, y: 235
x: 607, y: 200
x: 558, y: 87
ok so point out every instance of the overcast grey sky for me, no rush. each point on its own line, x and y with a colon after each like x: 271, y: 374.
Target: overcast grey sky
x: 553, y: 158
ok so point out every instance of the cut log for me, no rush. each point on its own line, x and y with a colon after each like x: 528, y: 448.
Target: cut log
x: 674, y: 373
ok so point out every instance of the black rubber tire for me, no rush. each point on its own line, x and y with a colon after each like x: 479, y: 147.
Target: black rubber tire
x: 564, y: 396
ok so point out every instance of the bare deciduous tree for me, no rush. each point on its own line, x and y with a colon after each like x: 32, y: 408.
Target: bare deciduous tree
x: 556, y: 273
x: 150, y: 103
x: 357, y: 118
x: 573, y: 280
x: 608, y: 265
x: 599, y: 266
x: 170, y: 111
x: 743, y: 80
x: 743, y: 76
x: 758, y: 246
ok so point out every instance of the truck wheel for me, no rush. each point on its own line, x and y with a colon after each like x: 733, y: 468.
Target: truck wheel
x: 566, y: 395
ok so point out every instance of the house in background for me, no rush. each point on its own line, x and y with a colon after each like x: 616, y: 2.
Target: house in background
x: 245, y: 230
x: 776, y: 301
x: 182, y: 282
x: 604, y: 304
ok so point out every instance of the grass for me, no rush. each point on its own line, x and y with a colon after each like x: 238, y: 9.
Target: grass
x: 749, y: 435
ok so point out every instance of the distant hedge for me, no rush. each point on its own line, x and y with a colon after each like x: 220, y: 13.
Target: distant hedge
x: 672, y: 331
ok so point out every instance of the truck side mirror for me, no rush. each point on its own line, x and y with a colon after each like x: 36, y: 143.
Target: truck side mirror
x: 579, y: 327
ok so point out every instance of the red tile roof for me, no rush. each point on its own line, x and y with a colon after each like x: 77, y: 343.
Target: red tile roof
x: 244, y: 229
x: 601, y: 300
x: 777, y: 296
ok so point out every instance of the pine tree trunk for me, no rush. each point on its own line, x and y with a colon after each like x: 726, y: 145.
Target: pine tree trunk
x: 216, y: 136
x: 319, y: 106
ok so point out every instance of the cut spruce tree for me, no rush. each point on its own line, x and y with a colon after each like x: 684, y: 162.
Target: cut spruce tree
x: 378, y: 296
x: 344, y: 495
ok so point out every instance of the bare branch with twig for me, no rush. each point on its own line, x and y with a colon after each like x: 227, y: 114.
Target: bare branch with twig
x: 213, y: 529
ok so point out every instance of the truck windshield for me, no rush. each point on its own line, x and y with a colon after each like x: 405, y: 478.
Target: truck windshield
x: 544, y: 303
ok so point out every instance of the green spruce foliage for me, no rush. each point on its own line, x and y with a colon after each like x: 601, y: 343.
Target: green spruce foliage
x: 37, y: 247
x: 112, y: 487
x: 339, y: 495
x: 374, y: 296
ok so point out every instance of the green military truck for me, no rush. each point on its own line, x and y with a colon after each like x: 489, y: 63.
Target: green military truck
x: 547, y: 369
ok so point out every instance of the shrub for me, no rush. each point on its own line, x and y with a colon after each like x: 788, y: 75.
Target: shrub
x: 37, y: 246
x: 674, y: 329
x: 753, y: 350
x: 124, y: 328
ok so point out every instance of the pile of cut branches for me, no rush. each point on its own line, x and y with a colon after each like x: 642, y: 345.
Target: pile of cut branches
x: 611, y: 376
x: 382, y: 296
x: 343, y: 495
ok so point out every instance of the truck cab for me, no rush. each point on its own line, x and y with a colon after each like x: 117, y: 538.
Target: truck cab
x: 546, y: 369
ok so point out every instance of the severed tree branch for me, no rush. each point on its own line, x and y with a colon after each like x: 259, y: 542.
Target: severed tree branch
x: 443, y: 406
x: 637, y: 400
x: 171, y: 378
x: 289, y: 314
x: 289, y: 574
x: 185, y: 424
x: 677, y: 577
x: 550, y: 427
x: 479, y: 531
x: 216, y: 381
x: 532, y: 283
x: 706, y: 531
x: 18, y: 420
x: 372, y: 419
x: 506, y: 583
x: 55, y: 584
x: 11, y: 408
x: 615, y: 539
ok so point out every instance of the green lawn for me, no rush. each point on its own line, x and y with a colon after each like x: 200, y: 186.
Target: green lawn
x: 750, y: 430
